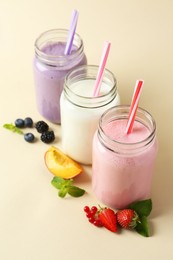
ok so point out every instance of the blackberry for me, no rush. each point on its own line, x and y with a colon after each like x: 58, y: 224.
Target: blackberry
x: 47, y: 137
x: 19, y: 123
x: 41, y: 126
x: 29, y: 137
x: 28, y: 122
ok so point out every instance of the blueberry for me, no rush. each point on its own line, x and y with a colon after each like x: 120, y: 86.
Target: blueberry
x: 19, y: 123
x: 29, y: 137
x: 28, y: 122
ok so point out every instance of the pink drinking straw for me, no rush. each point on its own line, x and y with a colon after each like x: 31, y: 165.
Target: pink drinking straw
x: 71, y: 32
x: 99, y: 77
x: 134, y: 106
x: 135, y: 94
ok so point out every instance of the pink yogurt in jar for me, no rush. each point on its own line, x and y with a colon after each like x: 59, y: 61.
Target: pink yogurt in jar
x: 50, y: 68
x: 123, y: 164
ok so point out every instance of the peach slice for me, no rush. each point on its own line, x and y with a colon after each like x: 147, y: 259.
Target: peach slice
x: 60, y: 164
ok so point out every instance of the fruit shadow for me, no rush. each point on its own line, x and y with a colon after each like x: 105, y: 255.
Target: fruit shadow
x: 153, y: 230
x: 85, y: 176
x: 162, y: 186
x: 56, y: 141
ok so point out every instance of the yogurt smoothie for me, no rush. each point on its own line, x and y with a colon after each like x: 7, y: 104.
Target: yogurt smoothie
x: 123, y: 164
x: 80, y: 111
x: 50, y: 68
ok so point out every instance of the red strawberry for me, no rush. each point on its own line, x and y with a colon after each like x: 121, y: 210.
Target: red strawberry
x: 127, y: 218
x: 108, y: 218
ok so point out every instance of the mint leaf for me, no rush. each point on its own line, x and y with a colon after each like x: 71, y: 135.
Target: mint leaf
x: 18, y: 131
x: 65, y: 186
x: 13, y: 128
x: 62, y: 192
x: 142, y: 227
x: 142, y: 208
x: 57, y: 182
x: 75, y: 191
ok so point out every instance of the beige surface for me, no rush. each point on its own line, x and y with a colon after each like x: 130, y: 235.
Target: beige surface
x: 34, y: 223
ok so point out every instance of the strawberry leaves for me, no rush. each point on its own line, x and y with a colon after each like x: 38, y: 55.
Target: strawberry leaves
x: 142, y: 227
x: 66, y: 187
x: 143, y: 209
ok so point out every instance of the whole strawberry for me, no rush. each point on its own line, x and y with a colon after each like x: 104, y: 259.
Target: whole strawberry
x: 108, y: 219
x: 127, y: 218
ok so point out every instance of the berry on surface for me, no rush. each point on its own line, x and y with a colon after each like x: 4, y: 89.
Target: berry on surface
x: 97, y: 223
x: 28, y: 122
x: 127, y: 218
x: 89, y: 214
x: 92, y: 215
x: 41, y: 126
x: 29, y: 137
x: 47, y: 137
x: 108, y: 219
x: 19, y: 123
x: 94, y: 209
x: 86, y: 209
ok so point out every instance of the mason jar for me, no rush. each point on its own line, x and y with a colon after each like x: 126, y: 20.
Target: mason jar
x: 80, y: 111
x: 50, y: 68
x: 123, y: 164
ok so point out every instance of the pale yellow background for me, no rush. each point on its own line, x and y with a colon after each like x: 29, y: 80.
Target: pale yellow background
x: 34, y: 223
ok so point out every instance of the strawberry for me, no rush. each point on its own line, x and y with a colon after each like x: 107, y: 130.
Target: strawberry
x: 127, y: 218
x: 108, y: 218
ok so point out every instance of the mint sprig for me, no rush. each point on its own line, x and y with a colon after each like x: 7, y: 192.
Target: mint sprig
x: 143, y: 209
x: 13, y: 128
x: 66, y: 187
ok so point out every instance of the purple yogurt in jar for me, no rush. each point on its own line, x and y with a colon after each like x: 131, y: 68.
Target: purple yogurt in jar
x: 50, y: 68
